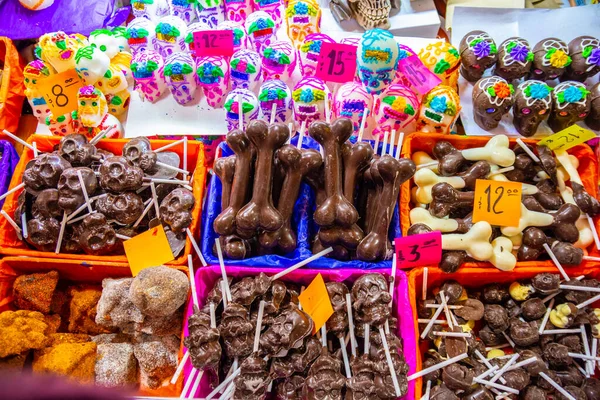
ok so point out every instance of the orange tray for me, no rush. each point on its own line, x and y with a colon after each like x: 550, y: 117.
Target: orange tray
x: 11, y: 245
x: 418, y: 141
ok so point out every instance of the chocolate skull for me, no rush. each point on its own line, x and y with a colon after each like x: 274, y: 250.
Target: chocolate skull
x: 371, y: 299
x: 139, y: 153
x: 203, y: 342
x: 585, y: 56
x: 237, y: 331
x: 338, y: 322
x: 533, y: 102
x: 362, y: 382
x: 125, y: 208
x: 324, y: 381
x: 46, y: 205
x: 514, y: 59
x: 43, y: 233
x: 253, y: 380
x: 43, y: 172
x: 287, y: 332
x: 249, y: 288
x: 70, y: 191
x: 570, y: 103
x: 97, y: 236
x: 75, y: 149
x: 492, y: 98
x: 478, y: 52
x: 550, y: 59
x: 118, y: 175
x: 593, y: 119
x: 176, y: 209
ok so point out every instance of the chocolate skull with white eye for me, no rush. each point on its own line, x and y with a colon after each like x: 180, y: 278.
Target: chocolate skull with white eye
x: 139, y: 152
x: 43, y: 172
x: 371, y: 299
x: 118, y: 175
x: 492, y: 98
x: 97, y: 236
x: 125, y: 208
x: 533, y: 102
x: 76, y: 149
x: 176, y: 209
x: 70, y: 190
x: 570, y: 104
x: 593, y: 119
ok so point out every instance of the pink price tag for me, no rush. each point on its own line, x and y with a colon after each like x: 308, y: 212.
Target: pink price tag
x: 213, y: 43
x: 337, y: 62
x: 419, y: 250
x: 421, y: 78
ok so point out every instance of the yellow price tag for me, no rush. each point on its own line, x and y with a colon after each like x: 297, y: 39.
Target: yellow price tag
x: 567, y: 138
x: 60, y: 92
x: 148, y: 249
x: 315, y: 302
x: 498, y: 203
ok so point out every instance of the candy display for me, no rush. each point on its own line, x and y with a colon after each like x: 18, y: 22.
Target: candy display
x: 371, y: 14
x: 514, y: 59
x: 478, y: 52
x: 310, y: 50
x: 593, y: 119
x: 59, y: 49
x: 147, y: 68
x: 261, y: 29
x: 34, y: 73
x: 377, y: 60
x: 211, y: 12
x: 141, y: 35
x: 240, y: 104
x: 492, y: 98
x: 151, y: 10
x: 92, y: 112
x: 550, y: 59
x: 240, y: 37
x: 237, y: 11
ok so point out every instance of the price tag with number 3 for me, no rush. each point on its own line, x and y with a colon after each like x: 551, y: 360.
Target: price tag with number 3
x: 498, y: 203
x: 337, y: 62
x: 60, y: 92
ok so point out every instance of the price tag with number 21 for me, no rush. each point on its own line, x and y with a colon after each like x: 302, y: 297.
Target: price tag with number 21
x: 337, y: 62
x: 498, y: 203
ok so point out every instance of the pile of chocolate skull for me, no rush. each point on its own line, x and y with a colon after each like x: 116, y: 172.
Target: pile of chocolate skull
x: 554, y: 216
x: 531, y: 340
x: 286, y: 359
x: 80, y: 198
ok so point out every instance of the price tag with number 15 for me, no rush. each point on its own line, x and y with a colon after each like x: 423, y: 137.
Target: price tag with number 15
x: 337, y: 62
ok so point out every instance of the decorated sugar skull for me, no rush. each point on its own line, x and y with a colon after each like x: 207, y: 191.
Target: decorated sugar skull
x: 147, y: 68
x: 151, y: 9
x: 34, y: 73
x: 272, y: 7
x: 179, y: 75
x: 533, y: 102
x: 570, y: 103
x: 303, y: 18
x: 62, y: 125
x: 478, y: 52
x: 261, y: 29
x: 246, y: 69
x: 213, y: 76
x: 120, y: 36
x: 104, y: 40
x: 238, y: 10
x: 593, y: 119
x: 439, y: 110
x: 141, y: 35
x: 189, y: 35
x: 309, y: 52
x: 91, y: 64
x: 118, y: 102
x: 278, y: 60
x: 352, y: 101
x: 443, y: 60
x: 377, y: 59
x: 550, y: 59
x: 170, y: 35
x: 91, y: 106
x: 244, y: 99
x: 492, y: 99
x: 585, y: 56
x: 184, y: 9
x: 240, y: 37
x: 211, y: 12
x: 58, y: 49
x: 395, y: 109
x: 309, y: 100
x: 275, y: 92
x: 371, y: 14
x: 40, y: 109
x: 514, y: 59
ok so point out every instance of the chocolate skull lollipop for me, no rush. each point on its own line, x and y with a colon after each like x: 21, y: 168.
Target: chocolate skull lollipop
x: 533, y: 102
x: 287, y: 332
x: 551, y: 58
x: 97, y: 236
x: 176, y: 209
x: 72, y: 190
x: 118, y: 175
x: 324, y: 380
x: 75, y: 149
x: 585, y: 56
x: 237, y: 331
x: 371, y: 299
x: 138, y: 152
x: 253, y: 380
x: 203, y: 342
x: 43, y: 172
x: 492, y: 98
x: 570, y: 103
x: 338, y: 322
x: 514, y: 59
x: 478, y: 52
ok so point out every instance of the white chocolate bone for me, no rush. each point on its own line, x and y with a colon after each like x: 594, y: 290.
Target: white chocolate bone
x: 476, y: 242
x: 422, y: 216
x: 569, y: 165
x: 413, y: 198
x: 426, y: 178
x: 527, y: 188
x: 517, y: 240
x: 528, y: 218
x: 502, y: 257
x: 495, y: 151
x: 422, y: 158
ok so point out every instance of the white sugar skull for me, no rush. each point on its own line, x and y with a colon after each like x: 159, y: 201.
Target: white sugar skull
x: 261, y: 29
x: 439, y: 110
x: 352, y: 101
x: 272, y: 7
x: 147, y: 68
x: 275, y: 92
x: 118, y: 102
x: 40, y: 109
x: 58, y: 49
x: 91, y: 106
x: 120, y: 36
x: 62, y: 125
x: 310, y: 51
x: 104, y: 40
x: 33, y: 74
x: 278, y: 60
x: 395, y: 109
x: 189, y: 35
x: 179, y: 75
x: 246, y: 69
x: 213, y: 76
x: 309, y: 100
x: 238, y: 10
x: 184, y: 9
x: 91, y: 64
x: 240, y: 99
x: 141, y: 35
x: 170, y: 35
x: 303, y: 18
x: 151, y: 9
x: 240, y: 37
x: 211, y: 12
x: 377, y: 59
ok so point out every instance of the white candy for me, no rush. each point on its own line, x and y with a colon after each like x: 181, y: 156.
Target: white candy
x: 502, y: 257
x: 420, y: 158
x: 527, y: 188
x: 495, y: 151
x: 426, y: 178
x: 422, y: 216
x: 528, y: 218
x: 569, y: 165
x: 476, y: 242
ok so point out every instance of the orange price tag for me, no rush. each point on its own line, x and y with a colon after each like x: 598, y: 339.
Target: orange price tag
x: 498, y: 203
x: 315, y: 302
x: 148, y: 249
x: 60, y: 92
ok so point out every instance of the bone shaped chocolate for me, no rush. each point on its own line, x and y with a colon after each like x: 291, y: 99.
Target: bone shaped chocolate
x: 339, y: 252
x: 547, y: 161
x: 586, y: 237
x: 528, y: 218
x: 447, y: 199
x: 237, y: 140
x: 527, y: 188
x: 532, y: 245
x: 547, y: 196
x: 225, y: 170
x: 476, y: 242
x: 421, y: 158
x: 356, y: 160
x: 502, y: 256
x: 426, y: 178
x: 234, y: 247
x: 450, y: 159
x: 524, y: 169
x: 532, y: 204
x: 563, y: 224
x: 586, y: 202
x: 495, y: 151
x: 446, y: 225
x: 479, y: 170
x: 369, y: 196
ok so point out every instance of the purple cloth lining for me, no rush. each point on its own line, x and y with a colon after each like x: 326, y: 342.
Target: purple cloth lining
x: 9, y: 161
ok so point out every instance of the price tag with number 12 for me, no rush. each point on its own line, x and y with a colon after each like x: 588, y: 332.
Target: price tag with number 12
x: 498, y: 203
x: 337, y: 62
x: 213, y: 43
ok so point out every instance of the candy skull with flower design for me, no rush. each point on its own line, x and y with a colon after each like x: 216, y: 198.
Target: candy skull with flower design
x: 275, y: 92
x: 443, y: 60
x: 58, y: 49
x: 261, y: 29
x: 184, y: 9
x: 309, y: 100
x: 118, y: 102
x: 395, y: 109
x: 238, y: 10
x: 95, y: 68
x: 550, y: 59
x: 593, y: 119
x: 63, y: 124
x: 309, y: 52
x: 34, y: 73
x: 377, y: 59
x: 147, y: 68
x: 439, y: 110
x: 585, y: 56
x: 106, y: 41
x: 140, y: 35
x: 303, y: 18
x: 570, y: 103
x: 352, y: 101
x: 514, y: 59
x: 151, y: 9
x: 119, y: 34
x: 249, y: 108
x: 271, y: 7
x: 246, y: 69
x: 211, y: 12
x: 189, y: 35
x: 213, y: 76
x: 533, y: 102
x: 170, y: 35
x: 492, y: 99
x: 179, y: 75
x: 478, y: 52
x: 240, y: 37
x: 278, y: 60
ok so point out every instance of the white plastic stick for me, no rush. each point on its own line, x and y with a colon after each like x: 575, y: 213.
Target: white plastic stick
x: 556, y: 263
x: 431, y: 164
x: 18, y: 139
x: 213, y: 317
x: 589, y: 258
x: 224, y: 383
x: 240, y: 113
x: 487, y: 363
x: 527, y: 150
x: 223, y: 297
x: 594, y: 231
x: 223, y: 272
x: 446, y: 310
x: 399, y: 147
x: 367, y: 334
x: 148, y: 207
x: 168, y: 146
x: 301, y: 134
x: 302, y: 263
x: 588, y: 302
x: 345, y: 357
x: 583, y: 356
x: 185, y: 155
x: 546, y: 316
x: 24, y: 225
x: 155, y: 197
x: 19, y: 186
x: 424, y: 287
x: 496, y: 385
x: 84, y: 206
x: 436, y: 322
x: 388, y: 357
x: 101, y: 134
x: 172, y: 168
x: 291, y: 129
x: 273, y: 112
x: 433, y: 318
x: 392, y: 142
x: 509, y: 340
x: 188, y: 383
x: 327, y: 111
x: 437, y: 366
x: 376, y: 147
x: 324, y: 335
x: 192, y: 394
x: 559, y: 331
x: 522, y: 363
x: 353, y: 344
x: 259, y: 318
x: 427, y: 391
x: 35, y: 150
x: 195, y: 246
x: 580, y: 288
x: 84, y: 191
x: 63, y: 224
x: 452, y: 334
x: 393, y: 277
x: 12, y: 223
x: 450, y: 306
x: 594, y: 351
x: 363, y: 122
x: 505, y: 367
x: 74, y: 220
x: 122, y: 237
x: 500, y: 171
x: 192, y: 277
x: 170, y: 181
x: 384, y: 144
x: 557, y: 386
x: 488, y: 372
x: 184, y: 359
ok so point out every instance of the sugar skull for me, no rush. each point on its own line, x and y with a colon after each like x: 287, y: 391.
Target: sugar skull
x: 58, y: 49
x: 261, y: 29
x: 570, y: 103
x: 439, y: 110
x: 34, y: 73
x: 352, y: 101
x: 170, y: 35
x: 211, y: 12
x: 309, y: 52
x: 120, y: 36
x: 324, y: 380
x: 514, y: 59
x: 271, y: 7
x: 249, y: 108
x: 213, y: 76
x: 189, y: 35
x: 309, y: 100
x: 395, y: 109
x: 118, y: 175
x: 492, y: 99
x: 238, y: 10
x: 147, y: 68
x: 585, y: 56
x: 92, y: 64
x: 140, y: 35
x: 43, y: 172
x: 118, y: 102
x: 303, y: 18
x: 478, y: 52
x: 240, y: 37
x: 593, y: 119
x: 40, y: 109
x: 104, y: 40
x: 276, y: 92
x: 443, y: 60
x: 91, y: 106
x: 97, y: 236
x: 179, y: 75
x: 533, y: 102
x: 151, y: 9
x: 184, y: 9
x: 70, y: 190
x: 176, y: 209
x: 377, y: 60
x: 61, y: 125
x: 550, y: 59
x: 287, y: 332
x: 278, y: 60
x: 246, y: 69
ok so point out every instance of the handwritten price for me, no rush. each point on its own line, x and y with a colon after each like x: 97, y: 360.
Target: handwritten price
x: 336, y: 63
x: 498, y: 203
x: 213, y: 43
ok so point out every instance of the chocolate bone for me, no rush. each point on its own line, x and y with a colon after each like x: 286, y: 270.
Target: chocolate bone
x: 356, y: 162
x: 447, y: 199
x: 260, y: 212
x: 450, y: 159
x: 586, y: 202
x: 479, y: 170
x: 225, y: 170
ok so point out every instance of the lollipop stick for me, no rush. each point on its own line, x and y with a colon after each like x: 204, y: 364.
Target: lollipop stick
x: 594, y: 231
x: 500, y: 171
x: 393, y: 279
x: 437, y: 366
x: 101, y: 134
x: 302, y: 263
x: 392, y: 142
x: 168, y: 146
x: 273, y: 112
x: 184, y: 359
x: 556, y: 262
x: 424, y: 288
x: 148, y: 207
x: 24, y: 225
x: 172, y: 168
x: 527, y: 150
x: 367, y: 338
x: 399, y: 147
x: 301, y: 134
x: 261, y: 310
x: 345, y: 357
x: 240, y: 113
x: 35, y: 150
x: 557, y: 386
x: 63, y: 224
x: 195, y: 246
x: 19, y: 140
x: 324, y: 335
x: 12, y: 223
x: 224, y: 383
x: 353, y: 344
x: 376, y: 147
x: 384, y: 145
x: 192, y: 394
x: 84, y: 191
x: 192, y: 281
x: 426, y: 397
x: 213, y: 318
x: 546, y: 316
x: 185, y: 153
x: 122, y: 237
x: 363, y: 122
x: 19, y: 186
x: 188, y: 383
x: 327, y: 113
x: 390, y: 363
x: 155, y: 198
x: 435, y: 317
x: 588, y: 302
x: 223, y: 272
x: 223, y: 297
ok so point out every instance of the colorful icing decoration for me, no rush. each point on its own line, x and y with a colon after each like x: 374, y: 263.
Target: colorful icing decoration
x: 354, y: 41
x: 189, y: 35
x: 120, y: 36
x: 310, y: 51
x: 213, y: 76
x: 91, y: 106
x: 147, y: 68
x: 62, y: 125
x: 303, y: 18
x: 104, y: 40
x: 118, y: 102
x: 272, y: 7
x: 570, y: 104
x: 184, y: 9
x: 276, y: 92
x: 95, y: 68
x: 478, y: 52
x: 58, y: 49
x: 249, y: 107
x: 351, y: 101
x: 141, y: 35
x: 550, y: 59
x: 514, y: 59
x: 179, y: 75
x: 278, y: 61
x: 309, y: 100
x: 533, y: 102
x: 246, y: 69
x: 151, y: 9
x: 261, y: 29
x: 395, y: 109
x: 240, y: 37
x: 34, y: 73
x: 403, y: 52
x: 443, y: 60
x: 377, y: 59
x: 170, y: 35
x: 585, y: 55
x: 211, y: 12
x: 238, y: 10
x: 492, y: 99
x: 439, y: 110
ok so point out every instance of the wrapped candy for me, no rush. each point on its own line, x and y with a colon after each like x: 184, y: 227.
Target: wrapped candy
x: 147, y: 68
x: 95, y: 68
x: 246, y: 69
x: 443, y: 60
x: 151, y: 9
x: 92, y: 113
x: 275, y: 92
x: 278, y: 61
x: 249, y: 105
x: 439, y: 110
x: 238, y: 10
x: 179, y: 75
x: 271, y: 7
x: 189, y: 36
x: 184, y: 9
x: 309, y: 100
x: 118, y: 102
x: 140, y: 35
x: 170, y: 31
x: 309, y: 52
x: 395, y: 109
x: 33, y: 74
x: 213, y: 76
x: 303, y: 18
x: 240, y: 37
x: 58, y: 49
x: 377, y: 59
x: 261, y: 29
x: 351, y: 101
x: 211, y: 12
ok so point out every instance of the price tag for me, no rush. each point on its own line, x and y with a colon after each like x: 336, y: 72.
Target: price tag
x: 567, y: 138
x: 60, y: 92
x: 316, y: 303
x: 419, y: 250
x: 213, y: 43
x: 336, y: 63
x: 420, y: 77
x: 148, y: 249
x: 498, y: 203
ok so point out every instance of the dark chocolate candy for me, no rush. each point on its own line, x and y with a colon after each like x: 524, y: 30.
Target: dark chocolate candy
x: 138, y: 152
x: 97, y: 236
x: 450, y: 159
x: 472, y: 310
x: 176, y: 209
x: 533, y: 309
x: 203, y: 342
x: 118, y: 175
x: 371, y: 298
x: 324, y: 380
x: 524, y: 333
x: 517, y: 378
x: 43, y: 172
x: 496, y: 317
x: 546, y: 283
x: 556, y: 355
x: 287, y: 332
x: 76, y: 149
x: 125, y: 208
x: 253, y: 380
x: 338, y: 322
x: 478, y: 52
x: 457, y: 377
x: 70, y: 191
x: 447, y: 199
x: 591, y: 387
x: 237, y: 331
x: 452, y: 290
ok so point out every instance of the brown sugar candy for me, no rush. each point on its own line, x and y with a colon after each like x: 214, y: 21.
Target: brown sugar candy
x: 74, y: 360
x: 82, y: 318
x: 34, y: 292
x: 21, y: 331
